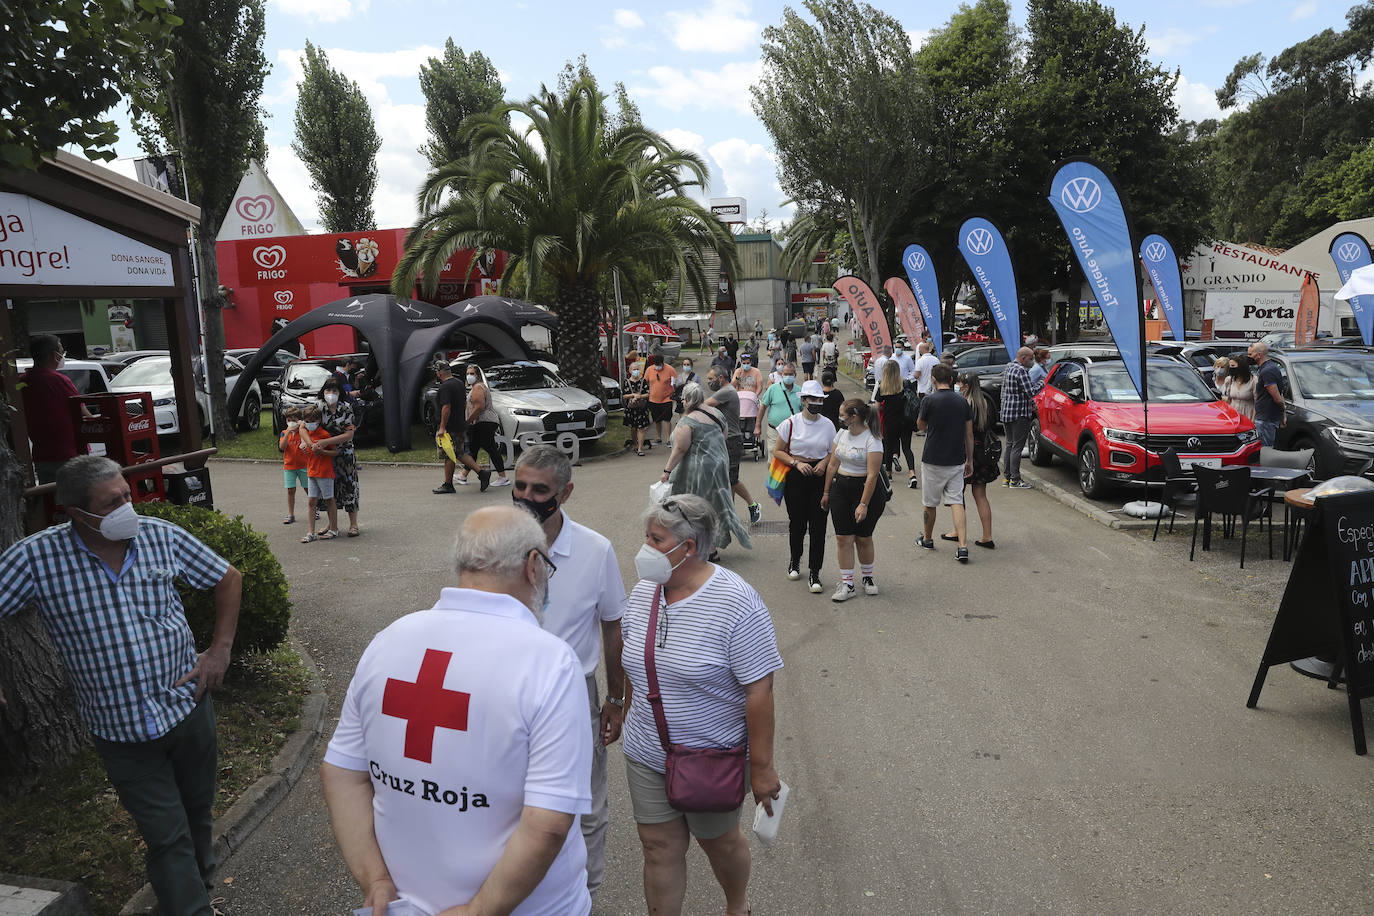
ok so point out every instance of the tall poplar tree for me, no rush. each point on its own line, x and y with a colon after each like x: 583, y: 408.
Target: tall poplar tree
x: 337, y: 140
x: 455, y: 86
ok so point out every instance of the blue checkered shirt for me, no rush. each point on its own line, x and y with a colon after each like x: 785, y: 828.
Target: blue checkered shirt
x: 123, y: 636
x: 1018, y: 393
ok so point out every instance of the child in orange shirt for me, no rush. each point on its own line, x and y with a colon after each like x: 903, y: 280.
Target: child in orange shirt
x: 319, y: 466
x: 293, y: 461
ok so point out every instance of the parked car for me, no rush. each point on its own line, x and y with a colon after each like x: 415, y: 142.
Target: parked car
x: 1285, y: 339
x: 154, y: 375
x: 1089, y: 413
x: 609, y: 386
x: 988, y: 363
x: 272, y: 369
x: 530, y: 398
x: 1329, y: 395
x: 127, y: 358
x: 88, y: 375
x: 300, y: 384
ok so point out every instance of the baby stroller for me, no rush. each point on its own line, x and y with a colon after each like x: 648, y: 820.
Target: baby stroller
x: 748, y: 414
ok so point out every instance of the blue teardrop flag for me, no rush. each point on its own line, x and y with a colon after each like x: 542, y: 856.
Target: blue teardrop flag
x: 1350, y: 251
x: 1162, y: 267
x: 1094, y: 219
x: 986, y: 253
x: 920, y: 270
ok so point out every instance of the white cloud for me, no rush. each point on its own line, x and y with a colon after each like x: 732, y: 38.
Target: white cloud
x: 293, y: 181
x: 613, y: 36
x: 686, y: 140
x: 322, y: 10
x: 1171, y: 41
x: 1303, y: 11
x: 728, y: 87
x: 1196, y: 101
x: 367, y: 68
x: 918, y: 38
x: 748, y: 170
x: 627, y: 19
x: 720, y: 27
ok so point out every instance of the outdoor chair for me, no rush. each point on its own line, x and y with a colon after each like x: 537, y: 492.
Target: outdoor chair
x: 1226, y: 492
x: 1179, y: 488
x: 1300, y: 459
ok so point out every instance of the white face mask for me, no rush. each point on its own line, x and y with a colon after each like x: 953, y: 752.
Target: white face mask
x: 119, y: 525
x: 312, y: 426
x: 654, y: 566
x: 291, y: 424
x: 331, y: 399
x: 472, y: 380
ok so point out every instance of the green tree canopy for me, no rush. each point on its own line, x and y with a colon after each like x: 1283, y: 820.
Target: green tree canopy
x: 455, y: 86
x: 570, y: 199
x: 67, y: 63
x: 337, y: 140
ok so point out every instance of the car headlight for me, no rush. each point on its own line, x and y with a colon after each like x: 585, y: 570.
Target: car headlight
x: 1347, y: 436
x: 527, y: 412
x: 163, y: 402
x: 1248, y: 435
x: 1122, y: 435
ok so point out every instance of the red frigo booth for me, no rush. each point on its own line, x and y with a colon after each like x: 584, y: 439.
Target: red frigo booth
x: 274, y: 280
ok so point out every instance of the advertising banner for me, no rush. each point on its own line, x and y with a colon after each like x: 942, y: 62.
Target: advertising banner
x: 43, y: 245
x: 1161, y: 265
x: 1350, y: 250
x: 1094, y: 219
x: 985, y: 250
x: 1240, y: 315
x: 908, y: 315
x: 920, y: 270
x: 258, y: 210
x: 867, y: 311
x: 1309, y: 302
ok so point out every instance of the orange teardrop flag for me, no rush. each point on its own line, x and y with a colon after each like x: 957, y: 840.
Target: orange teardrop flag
x: 1308, y: 305
x: 867, y: 310
x: 908, y: 313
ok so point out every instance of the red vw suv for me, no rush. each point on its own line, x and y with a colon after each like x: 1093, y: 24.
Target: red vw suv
x: 1089, y: 413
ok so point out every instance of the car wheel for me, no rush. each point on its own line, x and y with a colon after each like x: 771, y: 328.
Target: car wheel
x: 251, y: 417
x: 1090, y: 472
x: 431, y: 422
x: 1040, y: 455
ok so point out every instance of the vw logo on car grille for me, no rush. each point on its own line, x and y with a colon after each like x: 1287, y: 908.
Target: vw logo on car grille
x: 1081, y: 195
x: 979, y: 241
x: 916, y: 261
x: 1349, y: 251
x: 1194, y: 442
x: 1154, y: 251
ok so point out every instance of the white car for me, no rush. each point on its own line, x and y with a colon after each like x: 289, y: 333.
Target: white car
x: 153, y: 374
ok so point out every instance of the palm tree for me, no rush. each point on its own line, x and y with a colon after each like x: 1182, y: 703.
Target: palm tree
x: 571, y: 198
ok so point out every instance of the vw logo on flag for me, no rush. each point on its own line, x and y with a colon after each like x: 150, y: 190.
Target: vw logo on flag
x: 1081, y: 195
x: 917, y: 261
x: 1154, y: 252
x: 979, y: 241
x: 1349, y: 252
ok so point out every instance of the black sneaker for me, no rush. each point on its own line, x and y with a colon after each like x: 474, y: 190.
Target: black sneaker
x: 443, y: 488
x: 961, y: 554
x: 755, y: 513
x: 922, y: 542
x: 816, y: 587
x: 1019, y: 485
x: 896, y: 466
x: 483, y: 480
x: 912, y: 483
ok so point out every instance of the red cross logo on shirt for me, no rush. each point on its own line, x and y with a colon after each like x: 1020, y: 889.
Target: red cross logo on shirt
x: 426, y: 705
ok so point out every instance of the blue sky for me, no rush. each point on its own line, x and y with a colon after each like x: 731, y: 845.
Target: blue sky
x: 688, y: 64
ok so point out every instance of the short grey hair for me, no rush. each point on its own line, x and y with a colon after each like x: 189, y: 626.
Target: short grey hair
x: 687, y: 518
x: 548, y: 458
x: 1259, y: 347
x: 500, y: 550
x: 692, y: 396
x: 77, y: 476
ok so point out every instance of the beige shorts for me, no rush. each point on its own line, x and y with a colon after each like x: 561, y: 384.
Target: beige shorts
x: 942, y: 484
x: 649, y: 801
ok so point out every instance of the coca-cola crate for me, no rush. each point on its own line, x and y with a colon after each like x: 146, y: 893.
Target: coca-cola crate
x: 148, y: 486
x: 124, y: 424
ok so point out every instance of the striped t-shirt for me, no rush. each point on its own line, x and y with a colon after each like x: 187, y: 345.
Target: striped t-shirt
x: 708, y: 646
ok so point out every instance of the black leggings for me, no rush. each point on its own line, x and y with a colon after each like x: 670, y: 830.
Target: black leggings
x: 483, y: 436
x: 892, y: 437
x: 802, y: 495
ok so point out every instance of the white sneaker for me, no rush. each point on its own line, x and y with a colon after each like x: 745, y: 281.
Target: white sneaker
x: 815, y: 586
x: 793, y: 572
x: 869, y: 587
x: 843, y: 592
x: 501, y: 482
x: 461, y: 480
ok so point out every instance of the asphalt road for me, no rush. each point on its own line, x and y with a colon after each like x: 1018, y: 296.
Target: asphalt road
x: 1057, y: 727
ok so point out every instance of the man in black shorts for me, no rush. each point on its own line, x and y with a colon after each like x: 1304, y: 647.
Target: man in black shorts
x: 453, y: 398
x: 726, y: 399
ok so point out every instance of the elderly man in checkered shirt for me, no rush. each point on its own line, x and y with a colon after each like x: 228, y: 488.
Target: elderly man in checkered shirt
x: 1018, y: 406
x: 104, y: 585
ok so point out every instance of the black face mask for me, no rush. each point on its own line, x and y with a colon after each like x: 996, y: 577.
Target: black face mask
x: 713, y: 384
x: 543, y: 511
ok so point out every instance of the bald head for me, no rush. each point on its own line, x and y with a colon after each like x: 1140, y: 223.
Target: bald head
x: 1025, y: 356
x: 500, y: 549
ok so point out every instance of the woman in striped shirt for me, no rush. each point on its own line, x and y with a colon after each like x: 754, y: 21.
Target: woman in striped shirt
x: 715, y: 653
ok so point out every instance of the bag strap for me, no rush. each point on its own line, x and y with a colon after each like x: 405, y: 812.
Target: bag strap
x: 655, y: 698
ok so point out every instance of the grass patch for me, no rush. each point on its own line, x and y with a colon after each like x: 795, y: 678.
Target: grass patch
x: 261, y: 445
x: 72, y: 826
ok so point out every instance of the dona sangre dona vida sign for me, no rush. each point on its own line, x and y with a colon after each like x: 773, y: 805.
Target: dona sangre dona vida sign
x: 41, y: 245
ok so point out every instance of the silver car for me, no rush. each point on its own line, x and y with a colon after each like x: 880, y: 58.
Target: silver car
x: 532, y: 400
x: 154, y: 375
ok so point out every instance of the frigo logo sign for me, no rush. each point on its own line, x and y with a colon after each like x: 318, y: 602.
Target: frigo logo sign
x: 271, y: 260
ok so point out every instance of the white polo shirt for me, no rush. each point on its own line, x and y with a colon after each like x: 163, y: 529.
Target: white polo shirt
x: 924, y: 364
x: 585, y: 591
x: 463, y: 715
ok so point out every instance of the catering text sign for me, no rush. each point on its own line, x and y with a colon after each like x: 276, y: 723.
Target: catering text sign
x: 1249, y: 315
x: 41, y: 245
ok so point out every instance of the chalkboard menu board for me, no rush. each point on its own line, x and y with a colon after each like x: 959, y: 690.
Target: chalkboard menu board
x: 1328, y: 604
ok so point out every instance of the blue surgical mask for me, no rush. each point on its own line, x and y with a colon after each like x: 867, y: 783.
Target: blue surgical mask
x: 789, y: 380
